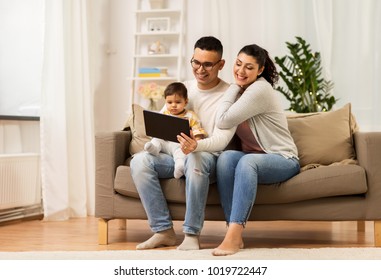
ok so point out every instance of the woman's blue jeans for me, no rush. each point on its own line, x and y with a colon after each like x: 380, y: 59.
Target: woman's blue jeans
x: 238, y: 176
x: 199, y: 170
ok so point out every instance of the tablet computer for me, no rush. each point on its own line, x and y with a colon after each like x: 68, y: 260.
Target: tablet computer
x: 164, y: 126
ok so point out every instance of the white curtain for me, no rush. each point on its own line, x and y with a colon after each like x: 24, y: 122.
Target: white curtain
x: 323, y: 18
x: 67, y: 145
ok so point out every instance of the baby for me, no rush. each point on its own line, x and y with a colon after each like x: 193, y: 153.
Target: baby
x: 176, y: 98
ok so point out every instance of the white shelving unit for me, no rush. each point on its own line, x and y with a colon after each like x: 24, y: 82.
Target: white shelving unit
x: 158, y: 43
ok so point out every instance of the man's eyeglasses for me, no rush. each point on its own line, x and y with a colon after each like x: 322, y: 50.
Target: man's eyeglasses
x: 206, y: 65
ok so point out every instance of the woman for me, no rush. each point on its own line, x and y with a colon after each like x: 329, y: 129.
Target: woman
x: 268, y: 155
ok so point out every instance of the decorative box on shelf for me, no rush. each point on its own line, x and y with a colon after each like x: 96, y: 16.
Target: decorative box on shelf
x: 157, y: 4
x: 159, y: 24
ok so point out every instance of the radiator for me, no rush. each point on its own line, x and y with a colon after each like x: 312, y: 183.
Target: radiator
x: 20, y: 185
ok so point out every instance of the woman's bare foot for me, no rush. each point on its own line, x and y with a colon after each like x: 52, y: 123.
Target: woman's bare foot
x: 232, y: 242
x: 226, y: 249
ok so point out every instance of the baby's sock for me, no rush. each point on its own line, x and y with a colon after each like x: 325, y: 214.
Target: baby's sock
x: 162, y: 238
x: 152, y: 149
x: 191, y: 242
x: 179, y: 168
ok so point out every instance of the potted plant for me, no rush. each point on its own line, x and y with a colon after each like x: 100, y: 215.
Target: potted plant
x: 301, y: 71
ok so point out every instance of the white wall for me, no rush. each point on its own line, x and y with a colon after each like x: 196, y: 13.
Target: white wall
x: 116, y: 27
x: 100, y: 39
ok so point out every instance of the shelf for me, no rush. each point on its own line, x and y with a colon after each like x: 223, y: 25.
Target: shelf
x: 158, y: 42
x: 152, y: 78
x: 156, y: 56
x: 172, y: 33
x: 158, y: 11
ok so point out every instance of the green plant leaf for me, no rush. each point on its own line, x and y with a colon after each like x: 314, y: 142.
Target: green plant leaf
x: 301, y: 72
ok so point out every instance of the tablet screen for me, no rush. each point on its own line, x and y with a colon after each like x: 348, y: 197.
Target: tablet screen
x: 164, y: 126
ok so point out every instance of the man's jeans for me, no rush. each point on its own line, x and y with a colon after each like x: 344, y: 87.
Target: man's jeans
x: 199, y: 168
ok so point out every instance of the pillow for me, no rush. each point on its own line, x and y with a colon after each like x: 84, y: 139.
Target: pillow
x: 323, y: 138
x: 136, y: 123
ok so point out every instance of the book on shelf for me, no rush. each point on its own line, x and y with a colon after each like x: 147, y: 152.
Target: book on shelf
x: 152, y: 75
x: 153, y: 72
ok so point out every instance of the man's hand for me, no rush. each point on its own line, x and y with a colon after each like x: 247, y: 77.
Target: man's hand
x: 187, y: 144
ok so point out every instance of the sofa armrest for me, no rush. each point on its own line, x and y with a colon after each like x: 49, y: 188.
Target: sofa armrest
x: 111, y: 150
x: 368, y: 152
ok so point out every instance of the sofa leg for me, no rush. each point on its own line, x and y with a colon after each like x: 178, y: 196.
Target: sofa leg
x: 122, y: 224
x: 102, y: 232
x: 361, y: 226
x: 377, y: 233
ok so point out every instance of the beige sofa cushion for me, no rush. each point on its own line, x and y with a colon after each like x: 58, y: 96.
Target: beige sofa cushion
x: 323, y: 138
x: 312, y: 184
x: 136, y: 124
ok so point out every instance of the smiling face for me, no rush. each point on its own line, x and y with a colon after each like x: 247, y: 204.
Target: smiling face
x: 207, y: 79
x: 246, y: 70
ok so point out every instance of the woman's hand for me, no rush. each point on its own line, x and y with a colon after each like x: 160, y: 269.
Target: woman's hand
x: 187, y: 144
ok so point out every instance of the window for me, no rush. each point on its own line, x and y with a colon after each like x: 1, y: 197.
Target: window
x: 21, y: 56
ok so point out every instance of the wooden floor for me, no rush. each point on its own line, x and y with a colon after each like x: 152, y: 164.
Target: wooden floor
x: 81, y: 234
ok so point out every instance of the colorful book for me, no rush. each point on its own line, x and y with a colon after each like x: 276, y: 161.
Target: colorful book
x: 149, y: 70
x: 152, y: 75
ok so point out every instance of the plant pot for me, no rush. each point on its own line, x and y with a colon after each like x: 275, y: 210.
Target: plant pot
x: 156, y: 4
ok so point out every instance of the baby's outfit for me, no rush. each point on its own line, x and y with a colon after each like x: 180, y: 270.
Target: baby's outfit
x: 156, y: 145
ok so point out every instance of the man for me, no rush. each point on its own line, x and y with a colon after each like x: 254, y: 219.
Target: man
x: 205, y: 93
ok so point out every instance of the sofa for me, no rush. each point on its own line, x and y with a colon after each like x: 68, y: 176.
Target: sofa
x: 340, y: 178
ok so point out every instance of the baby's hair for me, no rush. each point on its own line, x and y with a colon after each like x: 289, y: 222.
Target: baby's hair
x: 176, y: 88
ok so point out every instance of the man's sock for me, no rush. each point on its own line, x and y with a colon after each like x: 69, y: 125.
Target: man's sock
x: 152, y: 149
x: 162, y: 238
x: 191, y: 242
